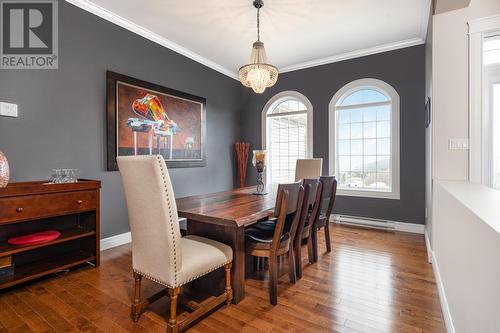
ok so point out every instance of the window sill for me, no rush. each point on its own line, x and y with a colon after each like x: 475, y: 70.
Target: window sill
x: 369, y: 194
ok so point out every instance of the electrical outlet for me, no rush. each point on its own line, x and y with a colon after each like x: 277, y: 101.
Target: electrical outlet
x: 8, y: 109
x: 458, y: 144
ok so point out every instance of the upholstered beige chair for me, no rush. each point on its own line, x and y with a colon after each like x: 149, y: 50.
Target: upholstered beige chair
x: 159, y: 253
x: 309, y: 168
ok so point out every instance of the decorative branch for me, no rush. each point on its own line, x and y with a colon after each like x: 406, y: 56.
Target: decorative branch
x: 242, y: 149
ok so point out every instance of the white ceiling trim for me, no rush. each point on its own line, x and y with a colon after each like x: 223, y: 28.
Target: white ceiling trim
x: 124, y: 23
x: 355, y: 54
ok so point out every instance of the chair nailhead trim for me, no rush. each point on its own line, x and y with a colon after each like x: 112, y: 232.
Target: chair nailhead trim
x: 172, y: 232
x: 181, y: 283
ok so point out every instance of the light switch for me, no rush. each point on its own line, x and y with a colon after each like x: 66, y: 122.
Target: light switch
x: 458, y: 144
x: 8, y: 109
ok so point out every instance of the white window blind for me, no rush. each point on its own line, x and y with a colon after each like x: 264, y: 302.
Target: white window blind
x: 287, y: 139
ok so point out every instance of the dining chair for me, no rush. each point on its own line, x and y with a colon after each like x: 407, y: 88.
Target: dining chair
x: 277, y: 241
x: 159, y: 253
x: 309, y: 168
x: 328, y: 196
x: 307, y: 223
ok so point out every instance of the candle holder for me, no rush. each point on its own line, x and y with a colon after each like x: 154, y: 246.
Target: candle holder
x: 259, y: 161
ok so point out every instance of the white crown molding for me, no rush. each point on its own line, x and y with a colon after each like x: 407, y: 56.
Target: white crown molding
x: 354, y: 54
x: 124, y: 23
x: 154, y: 37
x: 424, y: 25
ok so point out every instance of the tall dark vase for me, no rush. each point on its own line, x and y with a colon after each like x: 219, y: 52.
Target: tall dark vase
x: 242, y: 160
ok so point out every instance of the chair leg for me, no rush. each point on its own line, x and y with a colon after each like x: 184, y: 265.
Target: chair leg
x: 273, y: 281
x: 327, y: 237
x: 229, y: 290
x: 173, y: 326
x: 136, y: 307
x: 291, y: 266
x: 298, y: 259
x: 314, y: 244
x: 310, y: 248
x: 255, y: 264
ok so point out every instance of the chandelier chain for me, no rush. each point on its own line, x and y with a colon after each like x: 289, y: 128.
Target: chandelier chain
x: 258, y: 24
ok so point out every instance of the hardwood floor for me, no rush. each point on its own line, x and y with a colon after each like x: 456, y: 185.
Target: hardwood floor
x: 372, y: 281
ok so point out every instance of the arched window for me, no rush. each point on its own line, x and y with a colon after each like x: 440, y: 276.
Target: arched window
x: 286, y: 134
x: 364, y: 139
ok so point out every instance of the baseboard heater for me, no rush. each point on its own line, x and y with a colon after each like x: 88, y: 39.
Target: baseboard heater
x: 364, y: 222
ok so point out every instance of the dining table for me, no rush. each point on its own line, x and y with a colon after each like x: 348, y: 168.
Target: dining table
x: 224, y: 216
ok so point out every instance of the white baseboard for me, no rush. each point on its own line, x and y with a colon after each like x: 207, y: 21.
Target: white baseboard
x: 442, y: 296
x: 125, y: 238
x: 114, y: 241
x: 428, y: 246
x: 379, y: 224
x: 410, y: 227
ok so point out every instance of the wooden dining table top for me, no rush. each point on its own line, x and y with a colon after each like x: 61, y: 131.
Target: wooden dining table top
x: 237, y: 207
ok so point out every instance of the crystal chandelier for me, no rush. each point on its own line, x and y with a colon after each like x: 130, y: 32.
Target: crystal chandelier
x: 258, y: 74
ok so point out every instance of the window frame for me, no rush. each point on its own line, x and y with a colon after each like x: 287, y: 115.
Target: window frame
x: 480, y: 164
x: 271, y: 104
x: 388, y: 90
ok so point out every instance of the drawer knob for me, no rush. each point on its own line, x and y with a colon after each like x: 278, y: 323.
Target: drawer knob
x: 19, y: 209
x: 79, y: 202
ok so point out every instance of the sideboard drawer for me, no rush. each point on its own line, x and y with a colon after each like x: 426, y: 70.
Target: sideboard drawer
x: 44, y: 205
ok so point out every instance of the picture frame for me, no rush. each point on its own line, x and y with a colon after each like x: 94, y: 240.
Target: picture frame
x: 144, y: 118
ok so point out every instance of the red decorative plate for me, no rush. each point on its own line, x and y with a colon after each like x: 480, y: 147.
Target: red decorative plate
x: 36, y: 238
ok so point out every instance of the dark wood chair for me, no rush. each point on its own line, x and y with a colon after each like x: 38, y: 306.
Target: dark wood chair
x: 328, y: 195
x: 310, y: 209
x: 273, y: 239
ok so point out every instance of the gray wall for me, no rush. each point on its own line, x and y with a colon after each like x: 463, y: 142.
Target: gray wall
x: 61, y: 119
x: 62, y: 112
x: 404, y: 69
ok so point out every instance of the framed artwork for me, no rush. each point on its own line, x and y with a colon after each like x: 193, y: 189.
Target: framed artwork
x: 145, y: 119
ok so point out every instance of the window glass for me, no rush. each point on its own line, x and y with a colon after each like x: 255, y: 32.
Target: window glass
x: 496, y: 135
x: 364, y: 96
x: 363, y: 141
x: 491, y: 111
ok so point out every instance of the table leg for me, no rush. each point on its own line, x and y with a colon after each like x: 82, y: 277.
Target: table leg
x: 234, y: 237
x: 135, y: 143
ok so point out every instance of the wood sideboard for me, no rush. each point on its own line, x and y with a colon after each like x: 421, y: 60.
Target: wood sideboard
x: 29, y: 207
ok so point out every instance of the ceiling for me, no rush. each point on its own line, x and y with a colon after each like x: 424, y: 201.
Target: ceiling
x: 443, y: 6
x: 297, y: 33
